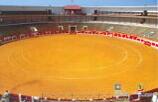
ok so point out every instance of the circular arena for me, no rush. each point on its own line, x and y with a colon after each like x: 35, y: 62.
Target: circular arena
x: 92, y: 54
x: 76, y: 64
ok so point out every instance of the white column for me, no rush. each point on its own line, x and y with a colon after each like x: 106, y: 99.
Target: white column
x: 20, y: 98
x: 32, y: 98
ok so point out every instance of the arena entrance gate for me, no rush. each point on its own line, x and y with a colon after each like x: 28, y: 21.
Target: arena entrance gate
x: 73, y: 29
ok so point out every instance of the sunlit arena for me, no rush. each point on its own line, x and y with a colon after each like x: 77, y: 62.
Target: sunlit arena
x: 78, y: 53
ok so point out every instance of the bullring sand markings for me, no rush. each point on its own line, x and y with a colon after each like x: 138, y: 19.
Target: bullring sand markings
x: 105, y: 67
x: 122, y: 59
x: 119, y: 62
x: 70, y: 78
x: 126, y: 53
x: 25, y: 59
x: 124, y: 39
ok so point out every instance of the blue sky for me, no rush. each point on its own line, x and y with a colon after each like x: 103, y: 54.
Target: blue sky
x: 79, y: 2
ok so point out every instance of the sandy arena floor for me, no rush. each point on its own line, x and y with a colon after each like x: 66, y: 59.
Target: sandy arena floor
x: 76, y: 65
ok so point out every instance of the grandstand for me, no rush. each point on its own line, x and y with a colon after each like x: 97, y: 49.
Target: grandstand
x: 56, y: 53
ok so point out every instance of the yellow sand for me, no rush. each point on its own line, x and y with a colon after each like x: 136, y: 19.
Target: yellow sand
x: 76, y: 66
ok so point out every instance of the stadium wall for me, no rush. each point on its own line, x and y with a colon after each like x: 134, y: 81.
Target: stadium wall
x: 85, y: 9
x: 151, y: 33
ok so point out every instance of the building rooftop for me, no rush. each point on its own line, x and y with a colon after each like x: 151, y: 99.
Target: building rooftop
x: 72, y: 7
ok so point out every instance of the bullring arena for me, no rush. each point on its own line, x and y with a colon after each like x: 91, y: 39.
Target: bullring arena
x: 81, y: 65
x: 78, y: 57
